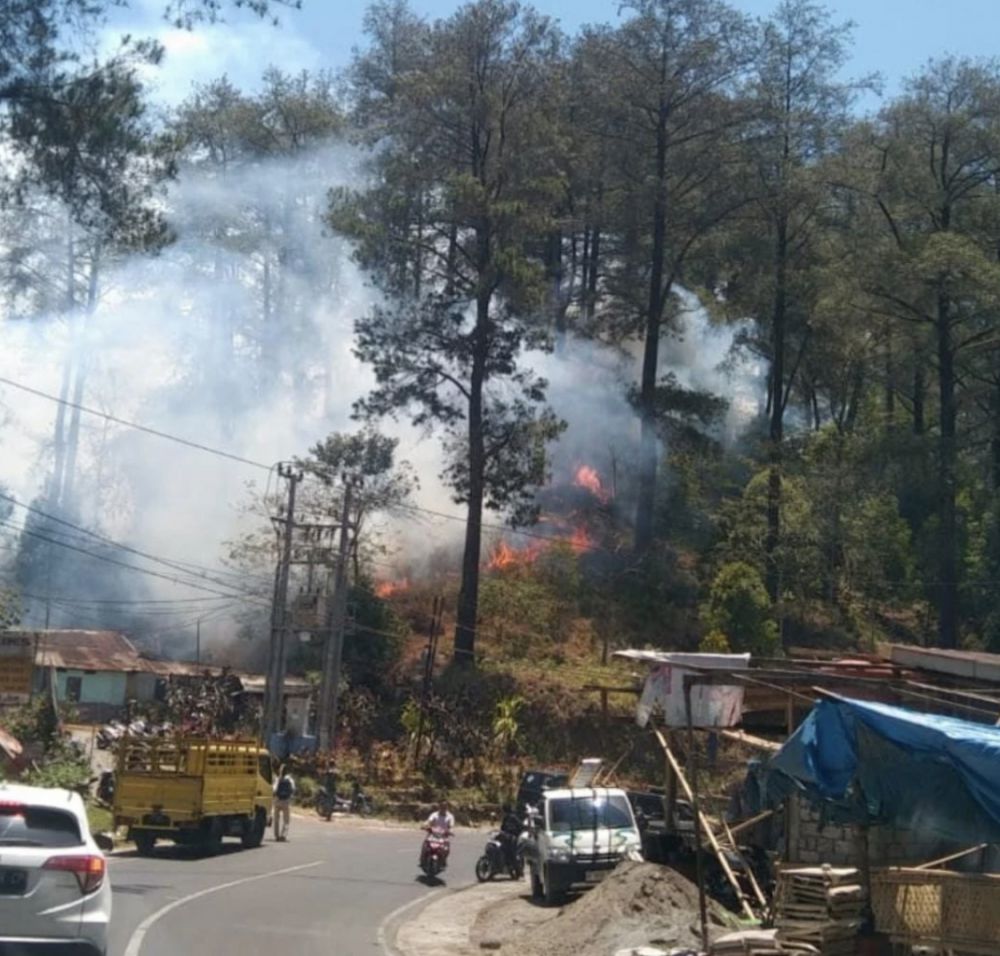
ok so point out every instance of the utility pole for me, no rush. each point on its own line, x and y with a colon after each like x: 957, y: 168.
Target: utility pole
x: 274, y: 691
x: 430, y: 653
x: 197, y: 642
x: 329, y: 695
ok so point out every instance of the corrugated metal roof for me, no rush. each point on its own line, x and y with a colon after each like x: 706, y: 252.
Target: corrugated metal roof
x: 977, y: 665
x: 112, y: 651
x: 84, y: 650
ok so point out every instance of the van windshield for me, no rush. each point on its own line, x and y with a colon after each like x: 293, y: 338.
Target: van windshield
x: 588, y: 813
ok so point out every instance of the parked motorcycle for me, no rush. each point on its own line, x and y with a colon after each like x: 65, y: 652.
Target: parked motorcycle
x: 434, y: 853
x: 329, y: 802
x: 502, y: 855
x: 110, y: 734
x: 326, y: 803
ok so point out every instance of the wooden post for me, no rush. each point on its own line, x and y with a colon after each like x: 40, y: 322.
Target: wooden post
x: 696, y: 806
x: 701, y: 826
x: 670, y: 810
x: 754, y: 885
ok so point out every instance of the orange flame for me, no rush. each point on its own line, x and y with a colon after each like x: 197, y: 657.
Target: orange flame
x: 504, y: 557
x: 587, y: 477
x: 581, y: 541
x: 388, y: 589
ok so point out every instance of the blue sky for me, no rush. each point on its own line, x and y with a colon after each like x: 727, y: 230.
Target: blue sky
x: 893, y: 37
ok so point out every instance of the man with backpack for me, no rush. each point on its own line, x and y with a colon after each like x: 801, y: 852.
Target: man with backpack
x: 284, y: 790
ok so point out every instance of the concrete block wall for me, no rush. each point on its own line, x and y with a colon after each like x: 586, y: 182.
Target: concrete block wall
x: 811, y: 842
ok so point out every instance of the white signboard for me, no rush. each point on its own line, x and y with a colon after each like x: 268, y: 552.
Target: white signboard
x: 711, y: 705
x: 17, y: 665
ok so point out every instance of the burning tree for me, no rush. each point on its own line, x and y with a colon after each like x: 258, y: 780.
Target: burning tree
x: 461, y: 189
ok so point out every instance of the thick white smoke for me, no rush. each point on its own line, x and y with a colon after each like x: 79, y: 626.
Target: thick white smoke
x: 238, y: 336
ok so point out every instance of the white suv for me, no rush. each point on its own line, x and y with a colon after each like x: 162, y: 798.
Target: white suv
x: 54, y: 888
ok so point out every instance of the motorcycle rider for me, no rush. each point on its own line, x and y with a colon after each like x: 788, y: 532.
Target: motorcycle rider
x: 440, y: 823
x: 511, y: 827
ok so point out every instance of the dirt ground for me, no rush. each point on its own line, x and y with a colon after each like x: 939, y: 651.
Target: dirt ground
x: 641, y: 904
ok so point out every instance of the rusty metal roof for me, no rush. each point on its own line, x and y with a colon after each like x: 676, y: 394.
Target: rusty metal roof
x: 112, y: 651
x: 84, y: 650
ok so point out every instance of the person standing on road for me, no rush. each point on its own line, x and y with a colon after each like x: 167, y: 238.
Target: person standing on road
x: 284, y: 790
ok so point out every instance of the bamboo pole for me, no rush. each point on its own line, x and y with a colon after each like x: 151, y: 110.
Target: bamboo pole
x: 701, y: 822
x: 757, y: 891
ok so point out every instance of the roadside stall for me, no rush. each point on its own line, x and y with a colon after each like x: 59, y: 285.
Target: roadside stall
x: 890, y: 770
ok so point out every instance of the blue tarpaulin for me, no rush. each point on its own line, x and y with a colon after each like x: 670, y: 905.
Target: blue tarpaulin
x: 875, y: 763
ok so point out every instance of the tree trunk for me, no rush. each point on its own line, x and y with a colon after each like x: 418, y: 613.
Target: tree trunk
x: 468, y: 597
x: 890, y: 384
x: 919, y: 397
x: 594, y: 272
x: 59, y: 432
x: 776, y: 430
x: 947, y: 543
x: 995, y: 440
x: 648, y: 445
x: 82, y: 367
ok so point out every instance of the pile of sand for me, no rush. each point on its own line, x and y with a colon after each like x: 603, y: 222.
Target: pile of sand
x: 640, y: 904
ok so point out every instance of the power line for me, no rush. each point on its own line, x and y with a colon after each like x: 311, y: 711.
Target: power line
x: 137, y: 603
x: 142, y: 428
x: 129, y: 567
x: 221, y: 453
x: 173, y: 565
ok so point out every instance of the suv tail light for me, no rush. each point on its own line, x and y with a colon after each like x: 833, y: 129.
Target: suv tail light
x: 11, y: 808
x: 88, y: 870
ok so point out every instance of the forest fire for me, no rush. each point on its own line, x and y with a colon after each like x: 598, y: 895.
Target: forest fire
x: 581, y: 540
x: 588, y: 478
x: 388, y: 589
x: 504, y: 557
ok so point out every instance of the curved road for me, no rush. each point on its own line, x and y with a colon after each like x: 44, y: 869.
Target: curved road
x: 328, y: 890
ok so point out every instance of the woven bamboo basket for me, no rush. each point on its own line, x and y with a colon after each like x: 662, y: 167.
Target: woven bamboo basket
x: 938, y: 908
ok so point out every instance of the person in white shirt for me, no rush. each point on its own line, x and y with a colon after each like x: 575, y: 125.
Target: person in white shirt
x: 441, y: 821
x: 284, y: 790
x: 439, y: 824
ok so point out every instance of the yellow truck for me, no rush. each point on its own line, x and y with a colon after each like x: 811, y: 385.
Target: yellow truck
x: 194, y: 791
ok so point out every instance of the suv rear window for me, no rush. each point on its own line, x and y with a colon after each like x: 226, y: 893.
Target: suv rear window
x: 38, y: 826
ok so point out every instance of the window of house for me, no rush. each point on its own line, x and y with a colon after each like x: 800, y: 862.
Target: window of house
x: 73, y: 688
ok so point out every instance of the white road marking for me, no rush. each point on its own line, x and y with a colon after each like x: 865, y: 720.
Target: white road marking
x: 383, y: 927
x: 137, y: 937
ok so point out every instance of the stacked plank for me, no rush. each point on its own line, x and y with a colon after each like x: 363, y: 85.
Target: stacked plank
x: 747, y: 942
x: 818, y: 910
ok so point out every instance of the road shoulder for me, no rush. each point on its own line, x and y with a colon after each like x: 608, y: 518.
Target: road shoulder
x: 458, y: 923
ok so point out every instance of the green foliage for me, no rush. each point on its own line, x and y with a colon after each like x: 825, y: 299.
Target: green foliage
x: 744, y: 526
x: 739, y: 610
x: 64, y: 770
x: 505, y: 723
x: 715, y: 642
x: 305, y: 790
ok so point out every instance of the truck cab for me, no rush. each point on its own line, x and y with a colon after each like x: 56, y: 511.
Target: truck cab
x: 576, y: 836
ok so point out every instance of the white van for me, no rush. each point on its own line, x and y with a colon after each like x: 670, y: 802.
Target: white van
x: 576, y: 837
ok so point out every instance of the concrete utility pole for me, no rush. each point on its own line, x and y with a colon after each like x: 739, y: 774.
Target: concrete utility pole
x: 275, y: 688
x: 329, y: 695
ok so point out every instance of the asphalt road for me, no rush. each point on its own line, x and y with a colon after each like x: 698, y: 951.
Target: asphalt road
x: 327, y: 891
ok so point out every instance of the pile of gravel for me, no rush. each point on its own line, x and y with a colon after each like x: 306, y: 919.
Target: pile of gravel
x: 640, y: 904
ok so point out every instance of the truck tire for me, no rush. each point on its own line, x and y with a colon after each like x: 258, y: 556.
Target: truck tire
x: 145, y: 843
x: 253, y: 833
x: 211, y: 841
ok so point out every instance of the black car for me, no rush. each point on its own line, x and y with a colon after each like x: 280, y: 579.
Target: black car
x: 534, y: 783
x: 661, y: 844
